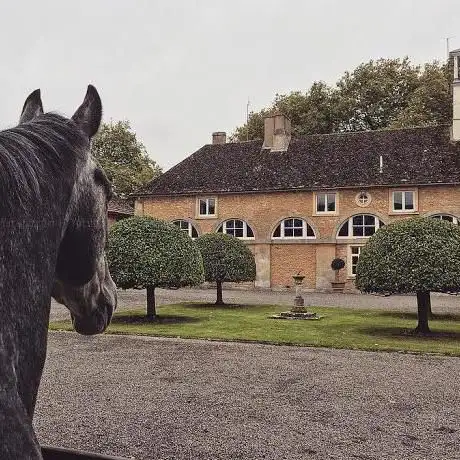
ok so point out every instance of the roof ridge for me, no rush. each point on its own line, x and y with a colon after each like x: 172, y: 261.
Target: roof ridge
x: 238, y: 142
x: 380, y: 130
x: 341, y: 133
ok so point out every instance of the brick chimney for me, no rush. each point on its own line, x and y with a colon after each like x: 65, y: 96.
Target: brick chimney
x: 277, y: 132
x: 219, y: 137
x: 455, y: 55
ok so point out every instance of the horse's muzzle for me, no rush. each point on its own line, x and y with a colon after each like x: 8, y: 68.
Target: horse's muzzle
x: 96, y: 323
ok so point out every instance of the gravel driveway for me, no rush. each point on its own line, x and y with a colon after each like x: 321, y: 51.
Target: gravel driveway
x: 441, y: 303
x: 186, y: 399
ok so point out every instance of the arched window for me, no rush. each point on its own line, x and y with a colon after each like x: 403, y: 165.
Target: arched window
x: 187, y: 227
x: 293, y: 228
x: 447, y: 218
x: 360, y: 226
x: 237, y: 228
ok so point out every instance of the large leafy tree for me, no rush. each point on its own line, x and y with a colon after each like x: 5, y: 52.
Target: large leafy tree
x: 418, y: 255
x: 372, y: 95
x: 385, y: 93
x: 123, y: 157
x: 225, y: 258
x: 145, y: 253
x: 431, y: 102
x: 312, y: 112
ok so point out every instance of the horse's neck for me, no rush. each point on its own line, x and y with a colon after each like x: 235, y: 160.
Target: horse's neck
x: 28, y: 251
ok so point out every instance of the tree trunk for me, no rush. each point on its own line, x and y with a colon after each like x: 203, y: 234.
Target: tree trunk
x: 151, y: 312
x: 219, y: 300
x: 423, y: 307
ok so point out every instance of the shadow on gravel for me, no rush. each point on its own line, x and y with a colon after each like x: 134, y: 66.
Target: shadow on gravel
x: 413, y: 316
x: 163, y: 319
x: 405, y: 333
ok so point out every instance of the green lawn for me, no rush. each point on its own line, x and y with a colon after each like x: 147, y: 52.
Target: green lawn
x: 338, y: 327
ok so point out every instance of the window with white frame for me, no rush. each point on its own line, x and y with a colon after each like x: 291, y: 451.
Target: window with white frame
x: 187, y: 227
x: 293, y: 228
x: 403, y: 201
x: 207, y: 207
x: 360, y: 226
x: 354, y: 253
x: 447, y: 218
x: 363, y: 199
x: 325, y: 203
x: 237, y: 228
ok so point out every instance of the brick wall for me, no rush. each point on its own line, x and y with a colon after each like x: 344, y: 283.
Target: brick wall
x: 289, y: 259
x: 263, y: 211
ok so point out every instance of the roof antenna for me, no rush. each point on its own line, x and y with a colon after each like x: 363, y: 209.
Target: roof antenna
x: 247, y: 119
x: 448, y: 46
x: 381, y: 165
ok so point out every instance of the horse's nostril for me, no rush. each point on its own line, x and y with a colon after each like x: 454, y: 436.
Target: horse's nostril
x: 109, y: 307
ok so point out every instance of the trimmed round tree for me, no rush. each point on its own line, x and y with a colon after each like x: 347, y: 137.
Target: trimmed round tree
x: 416, y: 255
x: 145, y: 253
x: 225, y: 258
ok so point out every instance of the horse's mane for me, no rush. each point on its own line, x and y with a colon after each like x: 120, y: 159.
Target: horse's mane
x: 33, y: 156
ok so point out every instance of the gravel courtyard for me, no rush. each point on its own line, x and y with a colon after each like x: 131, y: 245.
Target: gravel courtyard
x: 153, y: 398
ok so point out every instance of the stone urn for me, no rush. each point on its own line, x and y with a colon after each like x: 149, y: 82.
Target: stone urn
x: 298, y: 300
x: 298, y: 311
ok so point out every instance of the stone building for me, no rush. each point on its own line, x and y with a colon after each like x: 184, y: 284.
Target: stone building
x: 301, y: 202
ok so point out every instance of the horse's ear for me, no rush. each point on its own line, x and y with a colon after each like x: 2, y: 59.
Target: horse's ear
x: 88, y: 115
x: 33, y: 107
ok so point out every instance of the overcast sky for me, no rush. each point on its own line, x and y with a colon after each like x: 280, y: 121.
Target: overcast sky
x: 180, y: 69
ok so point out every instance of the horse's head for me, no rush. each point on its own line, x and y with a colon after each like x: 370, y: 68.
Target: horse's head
x: 82, y: 280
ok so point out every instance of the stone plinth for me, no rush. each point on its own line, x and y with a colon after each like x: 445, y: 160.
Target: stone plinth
x: 296, y: 315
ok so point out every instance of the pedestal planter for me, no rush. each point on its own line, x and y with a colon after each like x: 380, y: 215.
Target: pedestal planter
x: 298, y: 300
x: 59, y: 453
x: 298, y: 311
x: 338, y: 286
x: 337, y: 265
x: 296, y: 314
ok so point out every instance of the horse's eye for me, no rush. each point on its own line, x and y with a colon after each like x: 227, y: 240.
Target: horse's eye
x: 101, y: 179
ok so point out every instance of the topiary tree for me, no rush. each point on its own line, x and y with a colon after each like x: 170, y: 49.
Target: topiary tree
x: 225, y: 258
x: 145, y: 253
x: 417, y: 255
x: 337, y: 265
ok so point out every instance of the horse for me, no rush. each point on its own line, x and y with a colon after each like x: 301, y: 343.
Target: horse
x: 53, y: 231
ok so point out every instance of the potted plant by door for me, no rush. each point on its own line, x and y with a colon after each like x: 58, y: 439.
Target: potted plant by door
x: 337, y: 265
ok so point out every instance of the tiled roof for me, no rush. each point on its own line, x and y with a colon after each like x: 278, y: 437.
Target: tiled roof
x: 409, y: 156
x: 120, y: 206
